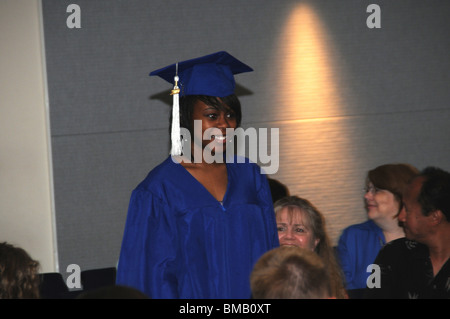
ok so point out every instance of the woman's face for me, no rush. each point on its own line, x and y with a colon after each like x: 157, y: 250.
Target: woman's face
x: 294, y: 229
x: 216, y: 120
x: 381, y: 204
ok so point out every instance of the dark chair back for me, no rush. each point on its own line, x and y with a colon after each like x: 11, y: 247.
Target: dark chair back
x: 96, y: 278
x: 52, y: 286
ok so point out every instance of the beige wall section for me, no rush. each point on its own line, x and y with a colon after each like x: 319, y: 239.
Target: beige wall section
x: 26, y: 195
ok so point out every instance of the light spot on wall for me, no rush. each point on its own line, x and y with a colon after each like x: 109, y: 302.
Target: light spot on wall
x: 315, y: 140
x: 305, y: 66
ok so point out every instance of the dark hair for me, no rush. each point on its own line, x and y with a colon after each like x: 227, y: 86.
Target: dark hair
x: 187, y: 107
x: 277, y: 189
x: 435, y: 192
x: 19, y: 277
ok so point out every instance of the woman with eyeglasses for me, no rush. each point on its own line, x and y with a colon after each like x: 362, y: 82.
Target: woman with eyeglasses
x: 359, y: 244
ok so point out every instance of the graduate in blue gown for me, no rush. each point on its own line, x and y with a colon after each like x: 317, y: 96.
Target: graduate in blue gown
x: 195, y: 228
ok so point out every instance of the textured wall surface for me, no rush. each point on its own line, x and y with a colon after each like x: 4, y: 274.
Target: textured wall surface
x: 346, y: 98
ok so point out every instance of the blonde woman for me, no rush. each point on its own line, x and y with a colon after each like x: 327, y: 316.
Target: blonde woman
x: 301, y: 224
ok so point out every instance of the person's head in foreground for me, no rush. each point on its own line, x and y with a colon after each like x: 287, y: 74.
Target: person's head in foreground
x: 289, y: 272
x: 19, y: 277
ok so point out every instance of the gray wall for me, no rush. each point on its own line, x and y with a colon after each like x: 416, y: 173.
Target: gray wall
x: 369, y: 97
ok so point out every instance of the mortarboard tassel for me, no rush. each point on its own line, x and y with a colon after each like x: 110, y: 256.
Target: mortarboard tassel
x: 175, y: 134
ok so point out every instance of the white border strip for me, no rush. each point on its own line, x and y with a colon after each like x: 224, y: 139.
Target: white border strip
x: 49, y: 140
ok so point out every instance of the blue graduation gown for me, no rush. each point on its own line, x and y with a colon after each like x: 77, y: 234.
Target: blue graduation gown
x: 180, y: 242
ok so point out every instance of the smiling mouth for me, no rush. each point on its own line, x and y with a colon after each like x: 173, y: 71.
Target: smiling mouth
x: 219, y: 138
x: 369, y: 205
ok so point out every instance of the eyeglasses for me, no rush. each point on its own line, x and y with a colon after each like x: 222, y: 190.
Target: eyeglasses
x: 372, y: 189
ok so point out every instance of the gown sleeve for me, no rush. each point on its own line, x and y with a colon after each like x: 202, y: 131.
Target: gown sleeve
x: 148, y: 257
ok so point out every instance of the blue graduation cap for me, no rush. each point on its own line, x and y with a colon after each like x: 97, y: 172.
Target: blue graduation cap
x: 211, y: 75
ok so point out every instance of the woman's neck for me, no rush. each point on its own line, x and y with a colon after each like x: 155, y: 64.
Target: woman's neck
x: 390, y: 236
x: 391, y: 229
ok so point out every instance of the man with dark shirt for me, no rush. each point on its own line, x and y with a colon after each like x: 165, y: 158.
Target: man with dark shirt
x: 418, y: 266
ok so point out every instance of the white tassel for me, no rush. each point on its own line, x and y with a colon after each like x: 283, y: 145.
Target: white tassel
x: 175, y: 134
